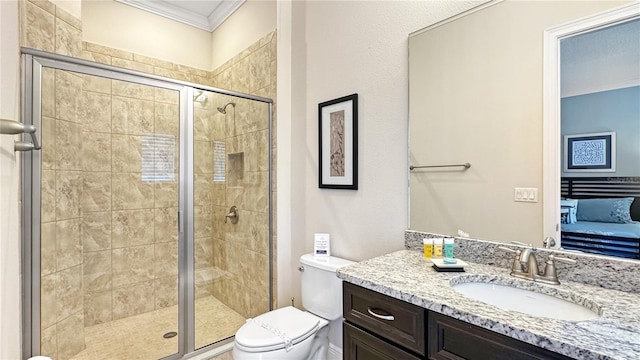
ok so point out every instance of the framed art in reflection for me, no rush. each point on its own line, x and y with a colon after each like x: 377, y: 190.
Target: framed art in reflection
x: 594, y: 152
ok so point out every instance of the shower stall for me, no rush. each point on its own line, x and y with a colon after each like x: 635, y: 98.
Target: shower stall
x: 147, y: 221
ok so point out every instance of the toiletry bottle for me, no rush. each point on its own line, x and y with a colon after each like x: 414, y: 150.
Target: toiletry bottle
x: 437, y: 248
x: 448, y: 248
x: 428, y: 247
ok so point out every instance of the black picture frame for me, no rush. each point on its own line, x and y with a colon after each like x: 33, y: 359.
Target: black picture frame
x: 594, y: 152
x: 338, y: 143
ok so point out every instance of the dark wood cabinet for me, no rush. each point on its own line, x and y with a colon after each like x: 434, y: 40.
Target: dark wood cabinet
x: 451, y: 339
x: 380, y: 327
x: 361, y: 345
x: 397, y: 320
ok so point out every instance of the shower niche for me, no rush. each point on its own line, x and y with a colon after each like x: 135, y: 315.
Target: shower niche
x: 236, y: 168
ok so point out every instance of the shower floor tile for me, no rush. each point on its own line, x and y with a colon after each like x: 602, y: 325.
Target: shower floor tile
x: 140, y: 337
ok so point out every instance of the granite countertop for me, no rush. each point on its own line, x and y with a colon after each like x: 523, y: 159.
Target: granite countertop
x: 407, y: 276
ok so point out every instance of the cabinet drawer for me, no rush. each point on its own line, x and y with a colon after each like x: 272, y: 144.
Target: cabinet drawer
x: 451, y: 339
x: 395, y: 320
x: 360, y: 345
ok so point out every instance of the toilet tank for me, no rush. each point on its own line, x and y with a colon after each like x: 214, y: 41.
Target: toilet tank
x: 321, y: 288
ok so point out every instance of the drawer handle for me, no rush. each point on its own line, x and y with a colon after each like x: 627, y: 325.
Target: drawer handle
x: 383, y: 317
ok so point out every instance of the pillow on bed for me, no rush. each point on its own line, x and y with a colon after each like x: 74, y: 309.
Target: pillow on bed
x: 571, y: 207
x: 615, y: 210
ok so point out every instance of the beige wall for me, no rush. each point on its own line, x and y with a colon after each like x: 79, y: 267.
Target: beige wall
x: 253, y: 20
x: 135, y: 30
x: 124, y: 27
x: 339, y: 48
x: 476, y: 96
x: 10, y: 334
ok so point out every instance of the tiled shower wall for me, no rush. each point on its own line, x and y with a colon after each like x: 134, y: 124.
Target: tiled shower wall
x: 109, y: 239
x: 62, y: 306
x: 129, y: 224
x: 241, y: 251
x: 88, y: 236
x: 45, y: 27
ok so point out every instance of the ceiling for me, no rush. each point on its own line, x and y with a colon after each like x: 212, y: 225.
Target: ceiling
x: 204, y: 14
x: 610, y: 56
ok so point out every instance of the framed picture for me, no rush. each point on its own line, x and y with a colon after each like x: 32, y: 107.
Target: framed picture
x: 338, y: 132
x: 590, y: 152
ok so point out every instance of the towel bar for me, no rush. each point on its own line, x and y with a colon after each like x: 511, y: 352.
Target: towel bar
x: 465, y: 165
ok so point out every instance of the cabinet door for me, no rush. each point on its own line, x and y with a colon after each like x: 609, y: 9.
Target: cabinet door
x: 451, y: 339
x: 360, y: 345
x: 393, y: 319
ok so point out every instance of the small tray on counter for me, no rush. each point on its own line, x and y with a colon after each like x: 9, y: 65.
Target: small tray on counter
x: 440, y: 266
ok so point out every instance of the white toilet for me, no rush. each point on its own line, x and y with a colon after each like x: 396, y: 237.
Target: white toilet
x: 291, y: 334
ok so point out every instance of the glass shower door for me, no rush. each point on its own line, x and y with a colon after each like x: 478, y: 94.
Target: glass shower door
x: 108, y: 217
x: 231, y: 213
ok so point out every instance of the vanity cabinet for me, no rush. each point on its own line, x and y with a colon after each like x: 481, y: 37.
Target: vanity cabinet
x: 362, y: 345
x: 377, y: 326
x: 378, y: 315
x: 452, y: 339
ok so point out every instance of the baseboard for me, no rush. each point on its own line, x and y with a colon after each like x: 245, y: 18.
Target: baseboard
x: 334, y: 353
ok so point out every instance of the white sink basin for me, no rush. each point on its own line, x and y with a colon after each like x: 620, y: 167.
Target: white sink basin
x: 526, y: 301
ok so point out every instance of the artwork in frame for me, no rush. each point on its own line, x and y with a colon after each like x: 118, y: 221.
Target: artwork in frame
x: 594, y: 152
x: 338, y: 143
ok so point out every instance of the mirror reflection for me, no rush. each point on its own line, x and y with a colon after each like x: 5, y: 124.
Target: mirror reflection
x: 600, y: 129
x: 476, y: 95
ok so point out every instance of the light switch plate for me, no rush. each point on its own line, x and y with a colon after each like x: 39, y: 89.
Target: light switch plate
x: 526, y: 194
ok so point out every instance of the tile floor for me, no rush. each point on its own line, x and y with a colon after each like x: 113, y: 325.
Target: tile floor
x: 140, y: 337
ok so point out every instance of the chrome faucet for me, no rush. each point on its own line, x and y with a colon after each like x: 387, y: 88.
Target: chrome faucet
x: 525, y: 265
x: 529, y: 263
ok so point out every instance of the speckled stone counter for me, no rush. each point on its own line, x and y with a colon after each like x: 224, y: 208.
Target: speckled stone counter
x: 407, y: 276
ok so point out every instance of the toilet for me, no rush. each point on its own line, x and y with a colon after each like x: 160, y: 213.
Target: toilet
x: 292, y: 334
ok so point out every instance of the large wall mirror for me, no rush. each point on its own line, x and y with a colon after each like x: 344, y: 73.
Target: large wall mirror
x: 476, y: 96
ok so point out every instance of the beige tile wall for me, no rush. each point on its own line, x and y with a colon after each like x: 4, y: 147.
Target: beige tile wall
x: 100, y: 258
x: 129, y: 225
x: 62, y: 300
x: 242, y: 250
x: 109, y: 239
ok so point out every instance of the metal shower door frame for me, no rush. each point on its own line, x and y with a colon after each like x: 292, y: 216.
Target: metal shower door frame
x: 33, y: 61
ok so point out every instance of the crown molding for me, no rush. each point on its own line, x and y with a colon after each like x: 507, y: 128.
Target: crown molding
x: 168, y: 9
x: 223, y: 11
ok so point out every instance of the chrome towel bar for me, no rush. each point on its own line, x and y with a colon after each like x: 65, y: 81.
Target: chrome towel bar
x: 465, y: 165
x: 12, y: 127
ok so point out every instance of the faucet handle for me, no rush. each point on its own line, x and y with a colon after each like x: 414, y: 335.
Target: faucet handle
x: 550, y: 275
x: 562, y: 259
x: 523, y: 244
x: 549, y: 242
x: 517, y: 265
x: 507, y: 249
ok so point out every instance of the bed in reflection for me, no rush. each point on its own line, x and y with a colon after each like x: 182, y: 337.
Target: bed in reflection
x: 601, y: 215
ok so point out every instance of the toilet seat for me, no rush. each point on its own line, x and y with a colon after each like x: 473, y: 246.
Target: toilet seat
x: 276, y: 329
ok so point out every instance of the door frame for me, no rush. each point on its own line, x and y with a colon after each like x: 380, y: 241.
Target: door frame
x: 551, y: 140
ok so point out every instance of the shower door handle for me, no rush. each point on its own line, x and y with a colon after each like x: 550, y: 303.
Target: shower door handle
x: 12, y: 127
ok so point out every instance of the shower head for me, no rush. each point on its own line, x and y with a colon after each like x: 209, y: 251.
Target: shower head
x: 223, y: 109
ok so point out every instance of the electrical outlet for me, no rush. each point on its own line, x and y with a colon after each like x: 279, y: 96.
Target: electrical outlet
x: 526, y: 194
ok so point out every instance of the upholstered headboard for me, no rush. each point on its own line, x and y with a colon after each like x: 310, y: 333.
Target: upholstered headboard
x: 603, y: 187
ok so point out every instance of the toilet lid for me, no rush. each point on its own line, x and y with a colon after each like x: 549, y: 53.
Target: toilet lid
x: 272, y: 330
